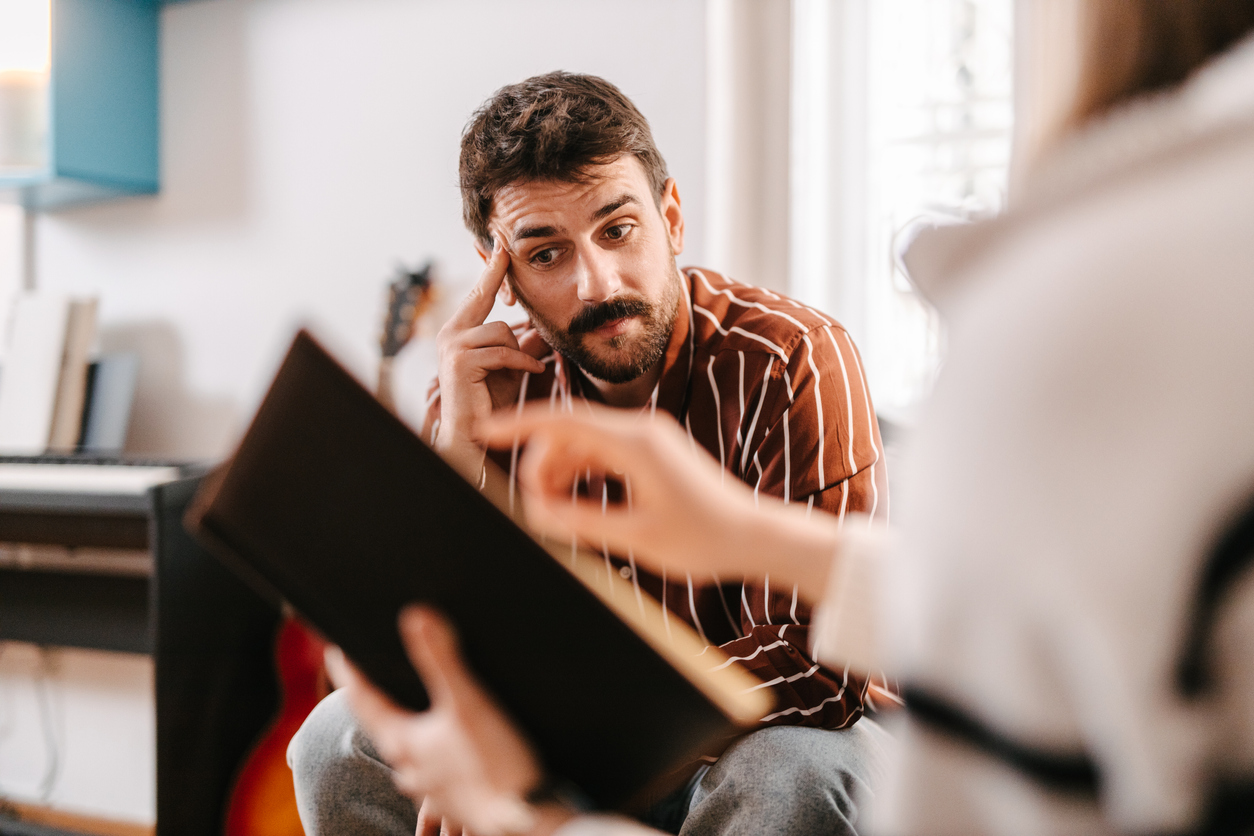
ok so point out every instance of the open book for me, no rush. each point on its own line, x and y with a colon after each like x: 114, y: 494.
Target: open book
x: 333, y: 504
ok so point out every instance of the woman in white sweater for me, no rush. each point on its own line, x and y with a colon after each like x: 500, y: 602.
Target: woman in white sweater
x: 1089, y: 441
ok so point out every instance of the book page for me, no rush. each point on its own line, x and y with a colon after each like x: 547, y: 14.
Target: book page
x: 32, y: 372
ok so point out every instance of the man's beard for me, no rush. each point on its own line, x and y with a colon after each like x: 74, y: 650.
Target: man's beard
x: 636, y: 357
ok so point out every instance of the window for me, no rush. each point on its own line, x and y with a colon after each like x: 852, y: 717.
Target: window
x: 917, y: 98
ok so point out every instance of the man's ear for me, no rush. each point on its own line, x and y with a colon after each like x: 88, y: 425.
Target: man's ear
x: 672, y: 215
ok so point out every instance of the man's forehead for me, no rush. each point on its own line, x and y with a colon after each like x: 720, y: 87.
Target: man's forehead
x: 556, y: 203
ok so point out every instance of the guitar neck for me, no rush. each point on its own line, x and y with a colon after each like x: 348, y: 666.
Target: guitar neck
x: 410, y: 295
x: 384, y: 388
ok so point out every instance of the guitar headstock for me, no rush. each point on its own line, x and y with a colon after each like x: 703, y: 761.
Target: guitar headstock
x: 410, y: 295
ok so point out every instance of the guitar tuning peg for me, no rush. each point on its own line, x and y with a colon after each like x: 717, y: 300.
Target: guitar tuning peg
x: 406, y: 278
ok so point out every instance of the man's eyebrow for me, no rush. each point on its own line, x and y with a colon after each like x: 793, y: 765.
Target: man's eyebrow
x: 553, y: 231
x: 536, y: 232
x: 616, y: 204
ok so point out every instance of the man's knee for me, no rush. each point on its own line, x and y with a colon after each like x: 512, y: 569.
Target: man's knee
x: 342, y: 786
x: 784, y: 779
x: 791, y: 759
x: 327, y: 743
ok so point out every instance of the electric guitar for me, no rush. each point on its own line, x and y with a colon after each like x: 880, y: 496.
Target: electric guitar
x: 263, y: 802
x: 410, y: 295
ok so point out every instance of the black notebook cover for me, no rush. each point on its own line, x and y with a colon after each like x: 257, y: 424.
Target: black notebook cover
x: 334, y: 504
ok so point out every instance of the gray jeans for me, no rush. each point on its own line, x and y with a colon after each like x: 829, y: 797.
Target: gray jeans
x: 778, y: 780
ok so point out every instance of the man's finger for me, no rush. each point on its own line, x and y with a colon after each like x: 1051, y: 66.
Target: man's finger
x: 533, y: 345
x: 493, y: 358
x: 475, y: 308
x: 488, y: 334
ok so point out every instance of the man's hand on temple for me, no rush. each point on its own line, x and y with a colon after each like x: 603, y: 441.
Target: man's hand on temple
x: 481, y: 364
x: 463, y: 757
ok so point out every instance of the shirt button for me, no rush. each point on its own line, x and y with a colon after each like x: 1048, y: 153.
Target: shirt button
x: 624, y: 572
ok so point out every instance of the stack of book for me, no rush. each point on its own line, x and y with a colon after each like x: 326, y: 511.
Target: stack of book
x: 54, y: 396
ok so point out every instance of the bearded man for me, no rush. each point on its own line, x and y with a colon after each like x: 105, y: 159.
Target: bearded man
x: 578, y: 222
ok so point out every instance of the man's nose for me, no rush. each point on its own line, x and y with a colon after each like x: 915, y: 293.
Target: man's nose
x: 597, y: 276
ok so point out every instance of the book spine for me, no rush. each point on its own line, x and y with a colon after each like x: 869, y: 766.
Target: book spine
x: 67, y: 412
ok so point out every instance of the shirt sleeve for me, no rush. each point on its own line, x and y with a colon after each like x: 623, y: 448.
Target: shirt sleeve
x: 821, y: 447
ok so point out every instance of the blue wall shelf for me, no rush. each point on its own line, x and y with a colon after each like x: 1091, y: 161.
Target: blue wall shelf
x: 103, y: 108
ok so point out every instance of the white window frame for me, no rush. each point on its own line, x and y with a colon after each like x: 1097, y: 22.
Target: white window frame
x: 807, y: 219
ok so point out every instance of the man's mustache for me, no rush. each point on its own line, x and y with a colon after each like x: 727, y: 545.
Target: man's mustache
x: 590, y: 319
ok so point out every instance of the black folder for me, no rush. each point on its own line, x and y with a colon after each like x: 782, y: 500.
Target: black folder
x: 334, y: 505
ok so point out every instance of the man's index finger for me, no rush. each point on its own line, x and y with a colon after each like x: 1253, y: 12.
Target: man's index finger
x: 475, y: 308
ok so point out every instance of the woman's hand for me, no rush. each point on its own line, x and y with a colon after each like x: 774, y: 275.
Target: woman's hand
x: 463, y: 758
x: 681, y: 509
x: 677, y: 500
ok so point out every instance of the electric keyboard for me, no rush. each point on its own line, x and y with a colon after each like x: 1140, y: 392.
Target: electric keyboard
x: 88, y: 474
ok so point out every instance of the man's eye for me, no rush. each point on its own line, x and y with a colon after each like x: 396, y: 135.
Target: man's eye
x: 544, y: 256
x: 617, y: 233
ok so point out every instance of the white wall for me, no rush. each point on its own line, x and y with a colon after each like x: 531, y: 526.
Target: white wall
x: 307, y: 145
x: 78, y: 731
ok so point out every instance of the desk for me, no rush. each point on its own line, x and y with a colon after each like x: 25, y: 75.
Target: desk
x: 211, y: 637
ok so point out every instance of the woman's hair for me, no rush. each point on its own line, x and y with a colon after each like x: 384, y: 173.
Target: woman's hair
x: 1133, y: 47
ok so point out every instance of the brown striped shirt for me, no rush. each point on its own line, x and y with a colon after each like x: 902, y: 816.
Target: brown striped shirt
x: 775, y: 391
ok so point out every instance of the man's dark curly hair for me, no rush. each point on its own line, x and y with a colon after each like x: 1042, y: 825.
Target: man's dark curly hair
x: 555, y: 126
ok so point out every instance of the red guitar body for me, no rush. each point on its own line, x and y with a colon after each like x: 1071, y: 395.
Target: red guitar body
x: 263, y: 802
